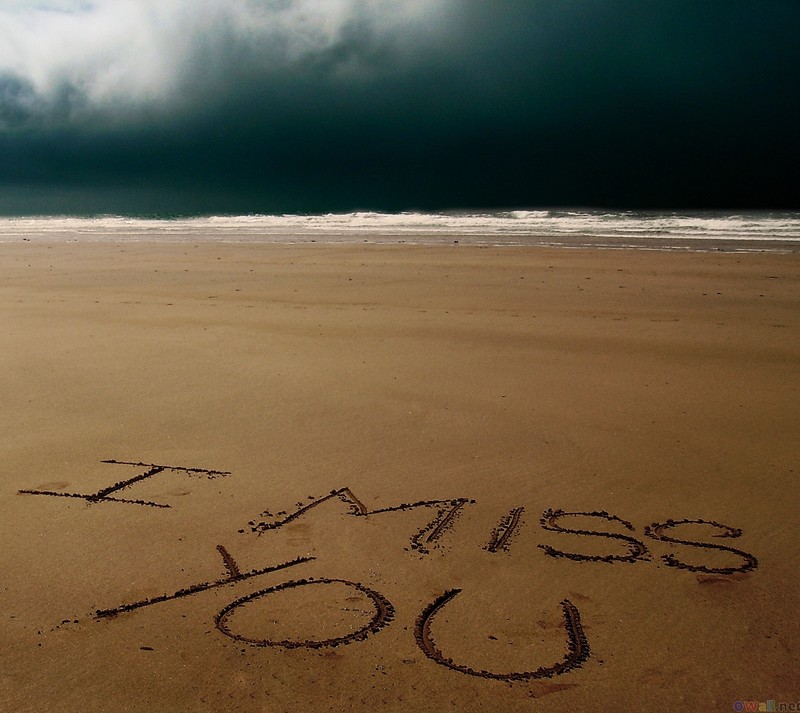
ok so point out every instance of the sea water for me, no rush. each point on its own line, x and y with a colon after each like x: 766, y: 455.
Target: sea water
x: 740, y: 232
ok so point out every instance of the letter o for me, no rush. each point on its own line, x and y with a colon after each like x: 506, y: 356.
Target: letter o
x: 384, y: 613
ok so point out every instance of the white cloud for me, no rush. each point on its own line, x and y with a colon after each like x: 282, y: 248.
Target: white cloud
x: 74, y: 58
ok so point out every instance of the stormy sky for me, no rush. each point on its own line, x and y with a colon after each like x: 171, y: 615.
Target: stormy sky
x: 265, y: 106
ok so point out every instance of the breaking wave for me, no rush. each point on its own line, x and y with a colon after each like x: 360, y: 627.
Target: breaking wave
x: 743, y: 231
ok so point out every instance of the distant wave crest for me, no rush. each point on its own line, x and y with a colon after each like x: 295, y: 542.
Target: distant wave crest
x: 517, y: 227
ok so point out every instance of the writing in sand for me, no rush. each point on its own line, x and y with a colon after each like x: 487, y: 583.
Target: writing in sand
x: 624, y: 546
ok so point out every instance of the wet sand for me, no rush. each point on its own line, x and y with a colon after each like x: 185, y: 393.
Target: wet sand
x: 315, y: 477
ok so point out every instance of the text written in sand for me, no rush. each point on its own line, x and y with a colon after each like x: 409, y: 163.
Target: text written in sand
x: 598, y: 526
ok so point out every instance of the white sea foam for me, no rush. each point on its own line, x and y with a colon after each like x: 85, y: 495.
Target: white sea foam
x: 753, y: 231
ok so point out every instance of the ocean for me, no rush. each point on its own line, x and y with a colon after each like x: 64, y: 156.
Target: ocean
x: 729, y: 232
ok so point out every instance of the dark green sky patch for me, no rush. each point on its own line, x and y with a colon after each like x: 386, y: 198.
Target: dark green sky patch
x: 511, y: 104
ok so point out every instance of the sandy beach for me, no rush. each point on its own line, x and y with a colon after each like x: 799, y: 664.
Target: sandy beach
x: 388, y: 477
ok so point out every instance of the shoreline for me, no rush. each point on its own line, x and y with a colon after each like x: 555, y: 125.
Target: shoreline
x: 699, y: 245
x: 710, y: 232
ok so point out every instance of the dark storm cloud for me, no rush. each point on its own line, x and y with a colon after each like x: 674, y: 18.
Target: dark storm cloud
x: 284, y: 106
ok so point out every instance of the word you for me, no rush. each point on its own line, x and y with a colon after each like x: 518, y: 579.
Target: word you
x: 383, y: 611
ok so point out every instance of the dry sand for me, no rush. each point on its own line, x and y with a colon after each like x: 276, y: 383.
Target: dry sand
x: 485, y: 385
